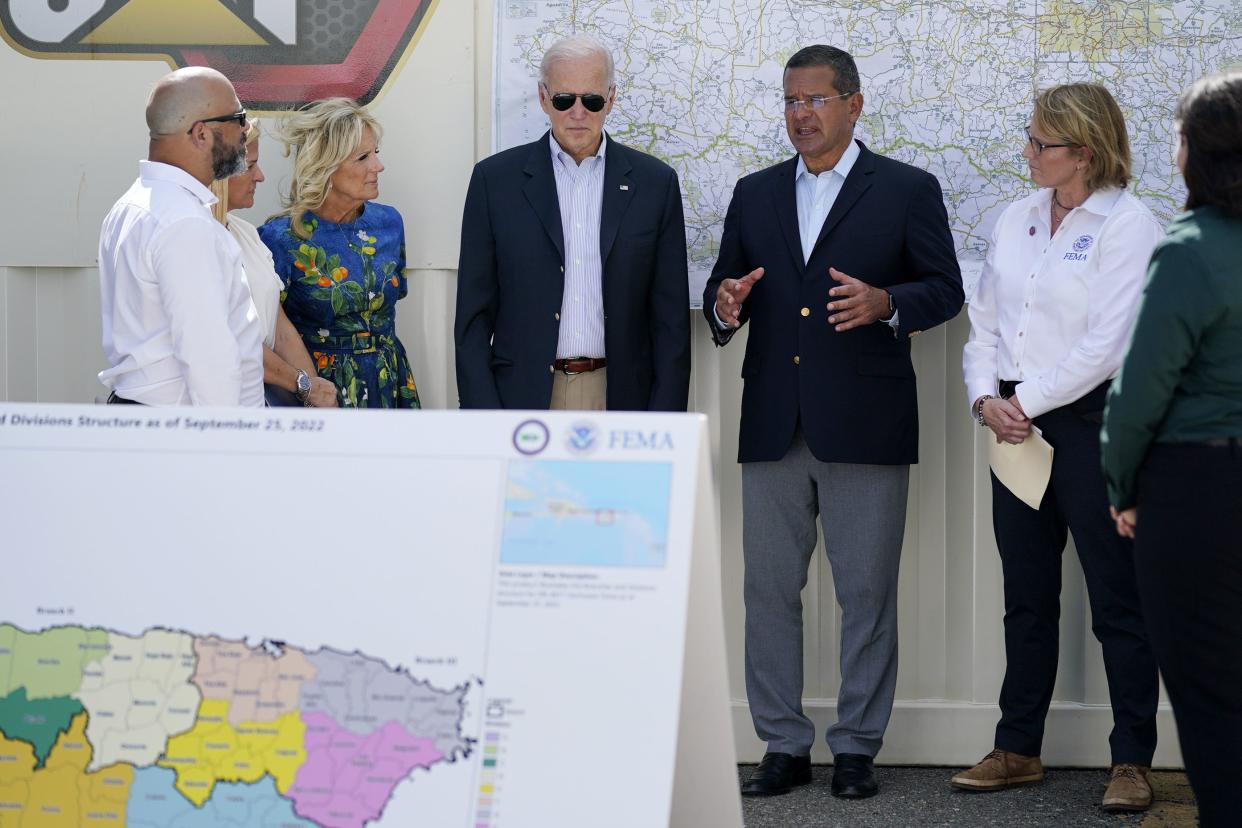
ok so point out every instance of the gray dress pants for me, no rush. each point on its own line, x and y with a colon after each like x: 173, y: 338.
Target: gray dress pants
x: 862, y: 510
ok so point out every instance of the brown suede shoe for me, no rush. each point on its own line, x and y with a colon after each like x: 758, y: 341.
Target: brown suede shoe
x: 998, y: 770
x: 1129, y: 789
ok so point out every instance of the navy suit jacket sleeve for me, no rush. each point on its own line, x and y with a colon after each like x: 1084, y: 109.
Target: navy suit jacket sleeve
x: 731, y: 263
x: 478, y: 289
x: 932, y: 293
x: 668, y: 304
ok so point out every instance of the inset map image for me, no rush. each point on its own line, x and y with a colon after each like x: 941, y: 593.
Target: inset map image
x: 586, y: 513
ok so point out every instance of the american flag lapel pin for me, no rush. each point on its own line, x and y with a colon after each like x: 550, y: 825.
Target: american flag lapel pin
x: 625, y: 186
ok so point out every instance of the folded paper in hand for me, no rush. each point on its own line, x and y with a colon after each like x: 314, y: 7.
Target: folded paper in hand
x: 1025, y: 468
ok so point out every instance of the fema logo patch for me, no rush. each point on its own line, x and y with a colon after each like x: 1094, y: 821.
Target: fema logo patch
x: 582, y: 438
x: 1082, y: 243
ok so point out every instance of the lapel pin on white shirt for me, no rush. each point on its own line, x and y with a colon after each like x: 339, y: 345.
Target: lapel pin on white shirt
x: 625, y: 186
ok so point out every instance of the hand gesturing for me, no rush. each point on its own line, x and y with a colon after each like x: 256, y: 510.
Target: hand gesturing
x: 732, y: 293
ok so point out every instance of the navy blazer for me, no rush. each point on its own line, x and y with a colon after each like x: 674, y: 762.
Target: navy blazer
x: 511, y: 278
x: 852, y: 392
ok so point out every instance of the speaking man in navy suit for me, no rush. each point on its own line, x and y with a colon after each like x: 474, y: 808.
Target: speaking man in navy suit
x: 836, y: 258
x: 572, y: 289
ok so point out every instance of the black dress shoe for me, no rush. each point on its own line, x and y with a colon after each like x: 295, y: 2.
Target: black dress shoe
x: 852, y: 777
x: 778, y: 773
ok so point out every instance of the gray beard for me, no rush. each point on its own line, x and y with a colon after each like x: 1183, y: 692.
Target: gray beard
x: 226, y: 161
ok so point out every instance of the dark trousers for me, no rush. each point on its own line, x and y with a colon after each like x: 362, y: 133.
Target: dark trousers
x: 1031, y: 543
x: 1188, y: 557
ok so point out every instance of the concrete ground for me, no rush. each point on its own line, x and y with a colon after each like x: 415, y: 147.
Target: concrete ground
x: 921, y: 796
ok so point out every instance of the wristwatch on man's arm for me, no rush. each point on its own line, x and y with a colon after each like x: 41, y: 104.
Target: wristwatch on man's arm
x: 303, y: 387
x: 892, y: 308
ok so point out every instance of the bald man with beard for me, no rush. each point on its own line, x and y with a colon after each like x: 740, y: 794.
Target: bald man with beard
x: 179, y: 327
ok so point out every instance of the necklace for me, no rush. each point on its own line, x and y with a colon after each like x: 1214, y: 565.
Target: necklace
x: 1057, y: 202
x: 356, y: 238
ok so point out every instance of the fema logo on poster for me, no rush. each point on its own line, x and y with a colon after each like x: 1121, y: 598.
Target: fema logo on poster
x: 581, y: 437
x: 279, y: 54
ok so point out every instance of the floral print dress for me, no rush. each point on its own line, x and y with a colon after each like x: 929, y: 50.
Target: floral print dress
x: 341, y: 288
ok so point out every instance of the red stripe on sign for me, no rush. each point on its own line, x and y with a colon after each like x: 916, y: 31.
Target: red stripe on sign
x: 354, y: 77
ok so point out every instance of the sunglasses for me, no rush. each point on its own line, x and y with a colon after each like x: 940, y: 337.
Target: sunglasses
x: 239, y: 116
x: 564, y: 101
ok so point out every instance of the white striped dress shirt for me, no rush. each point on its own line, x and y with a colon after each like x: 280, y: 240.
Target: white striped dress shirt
x: 580, y: 193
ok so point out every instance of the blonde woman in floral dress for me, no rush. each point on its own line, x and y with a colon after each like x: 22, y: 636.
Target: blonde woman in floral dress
x: 341, y: 256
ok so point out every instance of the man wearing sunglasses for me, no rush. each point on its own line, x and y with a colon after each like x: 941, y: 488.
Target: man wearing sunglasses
x: 572, y: 290
x: 836, y: 257
x: 179, y: 326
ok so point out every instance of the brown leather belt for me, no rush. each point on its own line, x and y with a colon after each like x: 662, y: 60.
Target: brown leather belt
x: 579, y: 365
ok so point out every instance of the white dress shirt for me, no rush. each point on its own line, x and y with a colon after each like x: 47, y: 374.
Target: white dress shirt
x: 265, y: 285
x: 580, y: 194
x: 179, y: 326
x: 1054, y: 313
x: 816, y: 194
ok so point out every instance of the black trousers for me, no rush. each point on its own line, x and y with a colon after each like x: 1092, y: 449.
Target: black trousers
x: 1188, y: 556
x: 1031, y: 543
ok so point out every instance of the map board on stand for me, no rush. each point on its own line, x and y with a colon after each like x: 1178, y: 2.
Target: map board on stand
x: 494, y: 620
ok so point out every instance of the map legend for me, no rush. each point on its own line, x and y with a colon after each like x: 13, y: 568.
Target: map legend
x: 487, y: 781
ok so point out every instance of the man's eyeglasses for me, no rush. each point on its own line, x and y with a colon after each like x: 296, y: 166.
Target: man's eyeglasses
x: 813, y: 102
x: 1038, y: 145
x: 564, y: 101
x: 239, y: 116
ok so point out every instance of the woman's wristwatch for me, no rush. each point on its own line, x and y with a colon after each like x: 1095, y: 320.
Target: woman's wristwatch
x: 977, y: 413
x: 303, y: 387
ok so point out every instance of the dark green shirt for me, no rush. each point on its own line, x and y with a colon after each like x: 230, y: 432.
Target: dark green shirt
x: 1181, y: 381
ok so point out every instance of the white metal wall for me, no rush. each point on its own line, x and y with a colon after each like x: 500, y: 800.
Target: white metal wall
x: 951, y: 652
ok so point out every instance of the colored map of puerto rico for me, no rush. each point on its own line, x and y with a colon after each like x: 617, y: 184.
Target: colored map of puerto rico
x: 167, y: 728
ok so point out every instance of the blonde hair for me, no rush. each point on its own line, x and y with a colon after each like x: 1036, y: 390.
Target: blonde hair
x: 321, y: 137
x: 1087, y: 116
x: 220, y: 188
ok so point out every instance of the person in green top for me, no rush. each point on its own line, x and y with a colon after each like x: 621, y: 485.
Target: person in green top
x: 1172, y: 447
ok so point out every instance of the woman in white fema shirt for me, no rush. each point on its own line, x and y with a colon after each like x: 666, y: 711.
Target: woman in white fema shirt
x: 1050, y: 322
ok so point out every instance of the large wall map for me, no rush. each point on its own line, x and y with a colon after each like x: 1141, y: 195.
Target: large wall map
x: 948, y: 86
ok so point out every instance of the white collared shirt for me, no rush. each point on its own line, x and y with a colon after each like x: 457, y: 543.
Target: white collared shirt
x: 580, y: 194
x: 1055, y: 312
x: 817, y: 193
x: 179, y: 327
